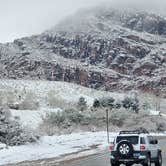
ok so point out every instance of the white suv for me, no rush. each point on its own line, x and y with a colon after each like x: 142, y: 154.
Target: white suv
x: 135, y: 147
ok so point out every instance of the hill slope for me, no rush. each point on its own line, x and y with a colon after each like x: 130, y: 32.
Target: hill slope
x: 100, y: 48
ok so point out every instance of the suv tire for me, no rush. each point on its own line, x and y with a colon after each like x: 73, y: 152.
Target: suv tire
x: 148, y: 161
x: 125, y: 149
x: 159, y: 160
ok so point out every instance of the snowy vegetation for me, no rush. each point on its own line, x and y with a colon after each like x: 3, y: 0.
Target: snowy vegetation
x: 128, y: 103
x: 58, y: 107
x: 11, y: 132
x: 105, y: 50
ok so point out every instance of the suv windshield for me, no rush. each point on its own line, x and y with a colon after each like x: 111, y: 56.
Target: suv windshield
x: 132, y: 139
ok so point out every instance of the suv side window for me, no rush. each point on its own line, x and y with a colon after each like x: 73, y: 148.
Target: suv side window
x: 142, y: 140
x: 150, y: 138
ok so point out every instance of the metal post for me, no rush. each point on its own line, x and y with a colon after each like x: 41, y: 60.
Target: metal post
x: 107, y: 121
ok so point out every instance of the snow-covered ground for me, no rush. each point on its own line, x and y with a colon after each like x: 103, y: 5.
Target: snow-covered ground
x: 32, y: 119
x: 55, y: 146
x: 68, y: 92
x: 153, y: 112
x: 51, y: 146
x: 41, y: 91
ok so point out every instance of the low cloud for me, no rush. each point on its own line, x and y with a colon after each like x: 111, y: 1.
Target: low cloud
x: 26, y: 17
x: 149, y: 5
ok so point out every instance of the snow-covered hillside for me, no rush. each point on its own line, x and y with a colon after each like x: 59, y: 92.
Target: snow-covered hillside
x: 63, y: 95
x: 66, y: 91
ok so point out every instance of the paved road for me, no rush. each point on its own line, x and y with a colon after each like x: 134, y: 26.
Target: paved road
x: 96, y: 161
x: 101, y: 159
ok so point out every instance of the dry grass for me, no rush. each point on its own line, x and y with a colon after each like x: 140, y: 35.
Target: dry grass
x: 30, y: 102
x: 54, y: 101
x: 7, y: 97
x: 155, y: 102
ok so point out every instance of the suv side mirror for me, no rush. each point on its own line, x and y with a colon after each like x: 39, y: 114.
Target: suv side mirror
x: 155, y: 141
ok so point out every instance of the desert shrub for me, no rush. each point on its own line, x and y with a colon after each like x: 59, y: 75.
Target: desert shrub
x: 127, y: 102
x: 150, y: 101
x: 52, y: 99
x: 29, y: 102
x: 96, y: 103
x: 79, y: 117
x: 142, y: 129
x: 131, y: 104
x: 105, y: 102
x: 7, y: 97
x: 118, y: 105
x: 74, y: 116
x: 160, y: 126
x: 11, y: 133
x: 1, y: 98
x: 110, y: 103
x: 69, y: 116
x: 55, y: 118
x: 116, y: 120
x: 55, y: 101
x: 146, y: 106
x: 82, y: 104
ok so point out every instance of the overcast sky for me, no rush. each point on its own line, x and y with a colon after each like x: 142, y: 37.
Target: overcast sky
x: 20, y: 18
x: 25, y: 17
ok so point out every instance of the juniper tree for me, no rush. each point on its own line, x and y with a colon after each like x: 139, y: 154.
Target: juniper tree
x: 11, y: 132
x: 82, y: 104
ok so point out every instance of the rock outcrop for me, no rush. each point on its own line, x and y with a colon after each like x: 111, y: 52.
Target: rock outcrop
x: 102, y: 51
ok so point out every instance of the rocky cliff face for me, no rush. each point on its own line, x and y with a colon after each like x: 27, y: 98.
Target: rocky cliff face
x: 102, y: 49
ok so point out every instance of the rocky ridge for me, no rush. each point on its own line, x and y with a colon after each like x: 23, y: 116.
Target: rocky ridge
x: 102, y: 49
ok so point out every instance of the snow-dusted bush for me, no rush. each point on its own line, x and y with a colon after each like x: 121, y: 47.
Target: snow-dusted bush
x: 82, y: 104
x: 105, y: 102
x: 118, y: 105
x: 79, y: 117
x: 146, y: 106
x: 96, y: 103
x: 131, y: 104
x: 52, y: 99
x: 7, y: 97
x: 11, y: 133
x: 55, y: 101
x: 54, y: 118
x: 29, y: 102
x: 69, y: 116
x: 161, y: 126
x: 117, y: 118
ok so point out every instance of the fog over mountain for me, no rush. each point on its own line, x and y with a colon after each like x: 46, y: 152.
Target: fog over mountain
x: 64, y: 62
x: 26, y: 17
x: 148, y: 5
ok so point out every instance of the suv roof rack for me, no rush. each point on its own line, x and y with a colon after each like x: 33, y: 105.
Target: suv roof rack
x: 133, y: 132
